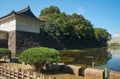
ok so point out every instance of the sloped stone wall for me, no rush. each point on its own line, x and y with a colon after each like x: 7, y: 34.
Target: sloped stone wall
x: 50, y: 41
x: 25, y: 40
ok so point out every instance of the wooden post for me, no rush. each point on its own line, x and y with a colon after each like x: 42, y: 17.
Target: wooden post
x: 22, y: 75
x: 17, y: 73
x: 28, y: 75
x: 9, y: 72
x: 93, y: 64
x: 0, y: 69
x: 5, y: 70
x: 106, y: 73
x: 13, y: 72
x: 49, y: 77
x: 40, y: 75
x: 34, y: 75
x: 43, y: 77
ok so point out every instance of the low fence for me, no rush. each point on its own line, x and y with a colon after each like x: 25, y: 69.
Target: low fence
x: 12, y: 73
x: 89, y: 73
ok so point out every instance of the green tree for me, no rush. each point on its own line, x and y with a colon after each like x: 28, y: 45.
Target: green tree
x: 82, y: 27
x: 39, y: 57
x: 50, y: 10
x: 56, y: 24
x: 71, y: 27
x: 101, y: 35
x: 62, y: 25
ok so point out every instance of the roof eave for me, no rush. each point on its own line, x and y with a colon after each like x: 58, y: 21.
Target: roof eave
x: 12, y: 14
x: 29, y: 18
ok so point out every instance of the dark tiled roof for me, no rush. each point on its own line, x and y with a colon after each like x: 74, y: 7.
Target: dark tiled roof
x: 25, y: 13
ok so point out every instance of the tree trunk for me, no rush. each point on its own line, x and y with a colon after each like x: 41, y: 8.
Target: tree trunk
x: 39, y: 66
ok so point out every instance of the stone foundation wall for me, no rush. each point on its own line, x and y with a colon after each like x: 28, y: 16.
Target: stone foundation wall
x: 12, y: 42
x: 25, y: 40
x: 19, y: 41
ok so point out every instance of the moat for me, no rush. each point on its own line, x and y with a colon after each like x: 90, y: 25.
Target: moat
x: 101, y: 57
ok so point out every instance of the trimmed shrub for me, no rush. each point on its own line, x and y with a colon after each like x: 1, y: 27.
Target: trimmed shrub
x: 4, y: 52
x: 39, y: 56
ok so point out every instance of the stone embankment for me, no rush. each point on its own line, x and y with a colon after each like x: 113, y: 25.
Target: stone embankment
x: 89, y: 73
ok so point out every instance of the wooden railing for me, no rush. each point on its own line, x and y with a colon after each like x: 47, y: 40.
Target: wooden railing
x: 12, y: 73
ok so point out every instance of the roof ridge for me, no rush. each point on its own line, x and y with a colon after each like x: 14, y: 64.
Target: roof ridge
x: 27, y: 12
x: 23, y: 10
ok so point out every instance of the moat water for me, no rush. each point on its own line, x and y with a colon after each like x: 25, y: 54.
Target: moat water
x: 114, y: 62
x: 102, y: 58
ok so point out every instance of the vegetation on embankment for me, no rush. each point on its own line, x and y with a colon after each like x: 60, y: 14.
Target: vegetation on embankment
x: 69, y: 31
x: 113, y: 44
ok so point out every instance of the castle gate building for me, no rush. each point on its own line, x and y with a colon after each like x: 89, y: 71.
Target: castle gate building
x: 19, y: 31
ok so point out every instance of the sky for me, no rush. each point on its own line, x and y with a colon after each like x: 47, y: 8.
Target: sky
x: 101, y: 13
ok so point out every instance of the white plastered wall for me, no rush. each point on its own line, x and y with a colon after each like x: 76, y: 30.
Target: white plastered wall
x: 8, y: 24
x: 27, y: 25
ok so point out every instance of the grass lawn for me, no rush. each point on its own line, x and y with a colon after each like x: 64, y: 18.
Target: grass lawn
x: 58, y: 76
x: 17, y: 66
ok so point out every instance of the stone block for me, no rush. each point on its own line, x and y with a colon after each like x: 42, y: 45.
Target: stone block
x: 114, y: 75
x: 76, y: 70
x: 91, y: 73
x: 54, y: 68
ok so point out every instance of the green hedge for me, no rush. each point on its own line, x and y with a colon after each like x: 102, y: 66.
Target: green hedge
x: 4, y: 51
x: 40, y: 54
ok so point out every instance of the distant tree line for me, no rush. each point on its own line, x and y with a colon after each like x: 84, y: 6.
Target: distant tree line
x: 72, y: 28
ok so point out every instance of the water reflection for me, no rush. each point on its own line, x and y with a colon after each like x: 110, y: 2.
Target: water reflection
x: 115, y: 52
x: 86, y: 57
x: 114, y: 63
